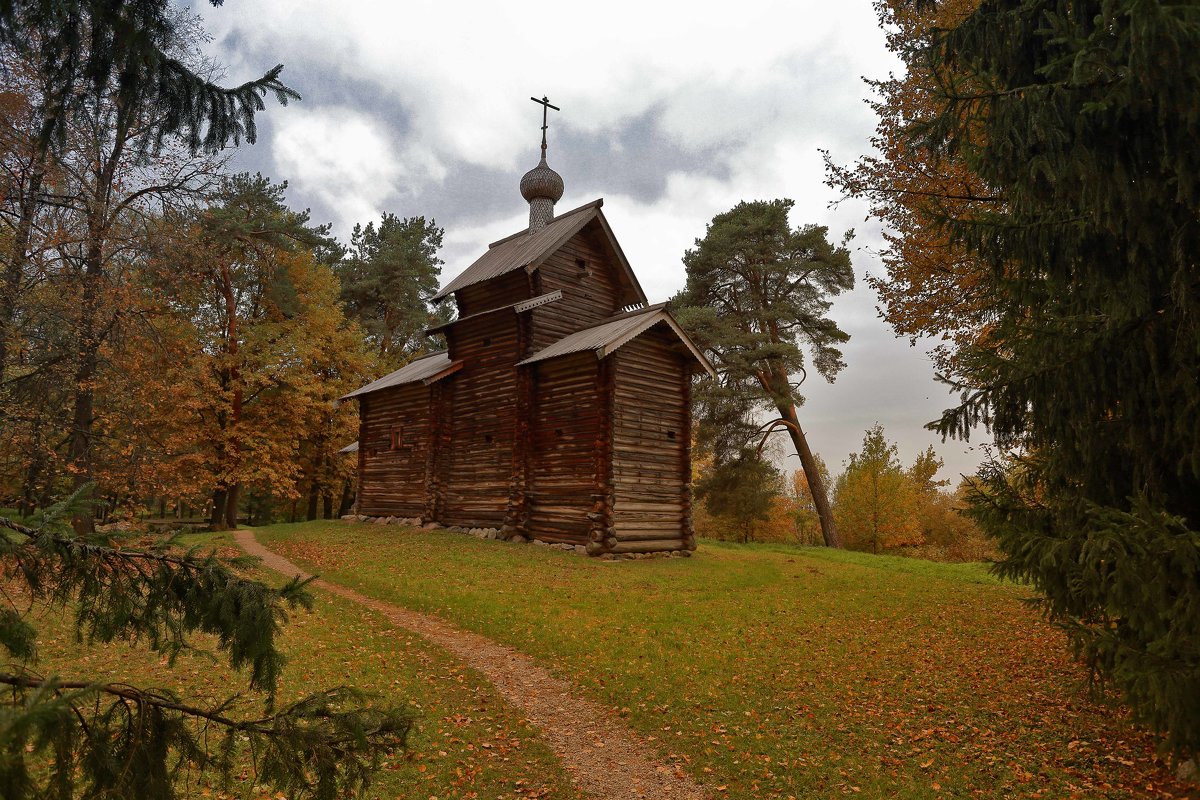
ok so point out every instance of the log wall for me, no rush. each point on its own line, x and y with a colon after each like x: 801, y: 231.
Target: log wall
x: 474, y: 473
x: 392, y: 473
x: 566, y: 432
x: 589, y: 292
x: 651, y: 468
x: 512, y: 287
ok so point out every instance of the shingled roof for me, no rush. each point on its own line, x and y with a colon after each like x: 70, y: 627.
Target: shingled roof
x: 609, y: 336
x: 523, y: 249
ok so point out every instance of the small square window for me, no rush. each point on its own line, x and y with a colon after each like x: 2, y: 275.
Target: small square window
x: 487, y: 438
x: 671, y: 435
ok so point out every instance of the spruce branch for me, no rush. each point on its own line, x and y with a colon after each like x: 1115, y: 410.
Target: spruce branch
x: 137, y: 742
x: 115, y: 739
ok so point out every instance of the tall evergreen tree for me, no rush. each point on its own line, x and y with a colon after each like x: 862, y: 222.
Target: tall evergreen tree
x: 757, y: 297
x: 245, y: 272
x: 1082, y: 116
x: 389, y: 277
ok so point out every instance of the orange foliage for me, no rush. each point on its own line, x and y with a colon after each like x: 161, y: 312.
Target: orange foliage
x: 911, y: 191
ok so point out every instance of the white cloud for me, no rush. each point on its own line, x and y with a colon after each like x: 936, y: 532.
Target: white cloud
x: 344, y: 158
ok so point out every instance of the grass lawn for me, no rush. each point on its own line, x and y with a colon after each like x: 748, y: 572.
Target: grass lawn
x: 467, y: 740
x: 776, y: 671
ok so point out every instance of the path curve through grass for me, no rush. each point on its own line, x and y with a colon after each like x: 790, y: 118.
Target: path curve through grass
x: 608, y: 758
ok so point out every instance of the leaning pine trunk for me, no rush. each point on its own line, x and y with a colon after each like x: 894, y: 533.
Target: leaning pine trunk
x: 815, y: 482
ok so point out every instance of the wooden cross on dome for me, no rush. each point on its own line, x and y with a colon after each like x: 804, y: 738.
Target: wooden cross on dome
x: 546, y: 106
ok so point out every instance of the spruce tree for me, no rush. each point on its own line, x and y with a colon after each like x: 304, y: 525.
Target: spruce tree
x: 1081, y: 117
x: 88, y: 47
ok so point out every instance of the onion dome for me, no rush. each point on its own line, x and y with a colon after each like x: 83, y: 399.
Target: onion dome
x: 541, y: 187
x: 541, y: 181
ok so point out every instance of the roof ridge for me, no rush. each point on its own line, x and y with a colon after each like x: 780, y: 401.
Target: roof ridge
x: 431, y: 354
x: 597, y: 203
x: 633, y: 313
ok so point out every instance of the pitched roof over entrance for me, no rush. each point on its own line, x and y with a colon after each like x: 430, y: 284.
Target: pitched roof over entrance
x: 609, y: 336
x: 427, y: 368
x: 525, y: 249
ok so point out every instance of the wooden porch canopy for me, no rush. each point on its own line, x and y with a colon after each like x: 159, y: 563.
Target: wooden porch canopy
x: 609, y: 336
x: 426, y: 369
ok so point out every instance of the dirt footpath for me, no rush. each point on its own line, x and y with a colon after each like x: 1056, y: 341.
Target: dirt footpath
x: 607, y: 758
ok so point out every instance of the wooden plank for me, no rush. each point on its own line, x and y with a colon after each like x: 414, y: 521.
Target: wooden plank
x: 648, y: 546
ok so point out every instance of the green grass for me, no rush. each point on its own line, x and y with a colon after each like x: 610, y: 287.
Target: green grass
x: 467, y: 742
x: 777, y: 671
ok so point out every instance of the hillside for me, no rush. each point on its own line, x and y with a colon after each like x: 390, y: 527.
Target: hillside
x: 770, y: 671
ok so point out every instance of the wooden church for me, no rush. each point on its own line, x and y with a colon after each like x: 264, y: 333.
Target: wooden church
x: 560, y: 410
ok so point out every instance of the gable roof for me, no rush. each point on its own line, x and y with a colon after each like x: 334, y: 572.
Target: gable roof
x: 423, y: 369
x: 607, y: 337
x: 524, y: 249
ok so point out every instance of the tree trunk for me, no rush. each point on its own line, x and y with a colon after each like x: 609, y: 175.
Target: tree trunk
x: 217, y: 521
x: 347, y: 501
x: 34, y: 485
x: 231, y: 506
x: 83, y: 416
x: 314, y: 497
x: 18, y: 257
x: 812, y: 473
x: 327, y: 503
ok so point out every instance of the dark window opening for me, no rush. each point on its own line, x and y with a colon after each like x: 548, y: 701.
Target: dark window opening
x: 487, y: 438
x: 579, y: 262
x: 487, y: 342
x: 671, y: 435
x: 558, y: 432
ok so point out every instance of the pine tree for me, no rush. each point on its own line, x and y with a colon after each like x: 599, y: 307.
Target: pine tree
x: 388, y: 281
x: 67, y: 736
x: 1081, y: 117
x: 245, y: 274
x: 740, y: 490
x: 757, y: 297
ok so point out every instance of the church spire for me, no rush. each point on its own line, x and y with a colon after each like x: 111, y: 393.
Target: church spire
x: 542, y: 187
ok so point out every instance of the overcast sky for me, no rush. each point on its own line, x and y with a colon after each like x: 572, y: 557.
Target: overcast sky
x: 671, y: 116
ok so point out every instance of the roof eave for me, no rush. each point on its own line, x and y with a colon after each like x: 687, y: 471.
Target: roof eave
x: 654, y: 319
